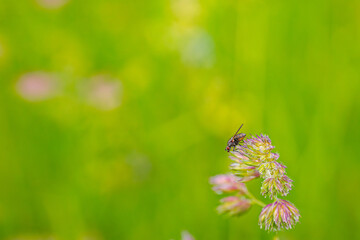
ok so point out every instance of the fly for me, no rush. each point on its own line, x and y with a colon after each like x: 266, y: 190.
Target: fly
x: 235, y: 140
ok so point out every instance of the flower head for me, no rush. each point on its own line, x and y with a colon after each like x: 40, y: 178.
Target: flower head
x: 234, y: 206
x: 227, y: 183
x: 256, y: 148
x: 279, y: 215
x: 243, y: 167
x: 276, y: 185
x: 271, y: 169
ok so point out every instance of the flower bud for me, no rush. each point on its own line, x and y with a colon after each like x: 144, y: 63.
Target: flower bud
x: 234, y: 206
x: 279, y: 215
x: 227, y: 183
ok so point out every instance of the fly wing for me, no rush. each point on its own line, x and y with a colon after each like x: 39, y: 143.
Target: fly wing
x: 238, y: 130
x: 240, y: 137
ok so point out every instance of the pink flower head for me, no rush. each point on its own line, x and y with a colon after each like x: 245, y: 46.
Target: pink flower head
x: 37, y: 86
x: 234, y: 206
x: 227, y: 183
x: 256, y: 148
x: 279, y: 215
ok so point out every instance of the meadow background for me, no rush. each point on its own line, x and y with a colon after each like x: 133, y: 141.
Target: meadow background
x: 114, y: 114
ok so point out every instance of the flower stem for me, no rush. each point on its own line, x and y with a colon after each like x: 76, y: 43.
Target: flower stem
x: 255, y: 200
x: 276, y: 237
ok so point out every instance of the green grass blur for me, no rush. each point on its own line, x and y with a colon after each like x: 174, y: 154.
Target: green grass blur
x: 190, y: 73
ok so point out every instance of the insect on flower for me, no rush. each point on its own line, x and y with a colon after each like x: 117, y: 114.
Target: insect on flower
x: 235, y: 140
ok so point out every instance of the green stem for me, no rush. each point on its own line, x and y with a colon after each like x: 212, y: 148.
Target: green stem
x: 255, y: 200
x: 276, y: 237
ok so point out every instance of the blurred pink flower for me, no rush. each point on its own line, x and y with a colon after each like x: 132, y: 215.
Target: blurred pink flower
x: 52, y: 4
x: 102, y: 92
x: 185, y: 235
x: 227, y: 183
x: 37, y: 86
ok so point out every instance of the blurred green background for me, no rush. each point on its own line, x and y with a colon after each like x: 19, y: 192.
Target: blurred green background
x: 114, y: 114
